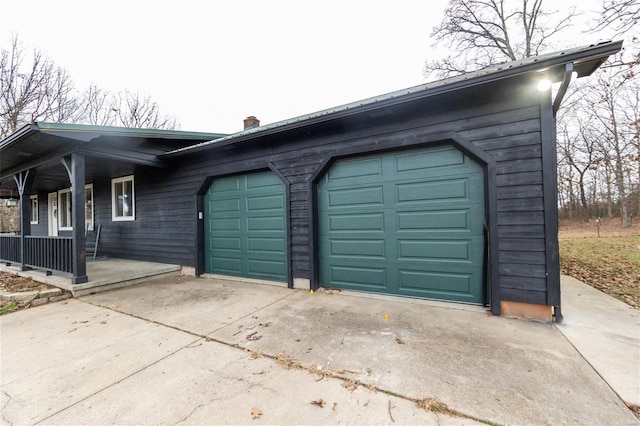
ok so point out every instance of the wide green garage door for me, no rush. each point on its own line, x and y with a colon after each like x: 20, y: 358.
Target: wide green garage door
x: 245, y: 227
x: 408, y: 223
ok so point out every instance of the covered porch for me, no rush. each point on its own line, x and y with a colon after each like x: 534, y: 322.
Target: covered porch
x: 106, y: 274
x: 55, y: 169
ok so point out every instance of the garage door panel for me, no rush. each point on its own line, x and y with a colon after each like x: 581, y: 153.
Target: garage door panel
x: 444, y: 220
x: 259, y: 203
x: 425, y: 251
x: 221, y: 187
x: 355, y: 169
x: 424, y: 239
x: 228, y: 265
x: 370, y: 249
x: 232, y: 205
x: 356, y: 197
x: 267, y: 269
x: 356, y: 222
x: 435, y: 281
x: 434, y: 191
x: 429, y: 160
x: 267, y: 245
x: 224, y: 243
x: 267, y: 223
x: 245, y: 227
x: 262, y: 181
x: 357, y: 278
x: 226, y: 224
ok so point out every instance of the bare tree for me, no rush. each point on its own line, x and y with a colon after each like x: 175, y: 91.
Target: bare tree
x: 577, y: 147
x: 608, y: 101
x: 135, y: 110
x: 126, y: 109
x: 32, y: 89
x: 619, y: 15
x: 98, y: 107
x: 485, y: 32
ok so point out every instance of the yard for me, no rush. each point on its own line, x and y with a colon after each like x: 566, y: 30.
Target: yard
x: 609, y: 262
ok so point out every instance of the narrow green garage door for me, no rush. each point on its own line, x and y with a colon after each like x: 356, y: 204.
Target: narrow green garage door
x: 408, y: 223
x: 245, y: 231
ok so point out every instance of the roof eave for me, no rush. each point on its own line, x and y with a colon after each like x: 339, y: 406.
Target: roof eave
x: 599, y: 53
x: 16, y: 136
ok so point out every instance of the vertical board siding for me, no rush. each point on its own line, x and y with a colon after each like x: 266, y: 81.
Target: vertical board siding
x: 506, y: 127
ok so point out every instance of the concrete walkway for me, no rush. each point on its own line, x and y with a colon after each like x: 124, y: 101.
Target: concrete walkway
x: 200, y: 351
x: 606, y: 332
x: 104, y: 274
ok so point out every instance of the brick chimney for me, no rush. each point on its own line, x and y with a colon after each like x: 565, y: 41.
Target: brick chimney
x: 251, y: 122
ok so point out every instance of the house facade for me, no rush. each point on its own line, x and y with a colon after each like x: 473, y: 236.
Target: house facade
x: 442, y: 191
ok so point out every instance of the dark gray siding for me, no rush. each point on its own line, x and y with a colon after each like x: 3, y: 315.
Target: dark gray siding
x: 41, y: 228
x: 502, y: 121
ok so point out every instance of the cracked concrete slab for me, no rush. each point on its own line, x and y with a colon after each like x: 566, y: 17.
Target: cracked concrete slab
x: 497, y: 369
x: 55, y: 355
x: 503, y: 370
x: 198, y: 305
x: 210, y: 383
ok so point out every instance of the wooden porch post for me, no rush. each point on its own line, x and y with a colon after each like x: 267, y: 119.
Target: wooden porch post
x: 24, y: 180
x: 76, y: 174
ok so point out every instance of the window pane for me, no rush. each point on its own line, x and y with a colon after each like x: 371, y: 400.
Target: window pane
x: 88, y: 207
x: 123, y: 198
x: 64, y: 209
x: 120, y: 197
x: 34, y: 210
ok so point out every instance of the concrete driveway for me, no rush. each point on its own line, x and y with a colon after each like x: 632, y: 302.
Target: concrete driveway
x: 202, y: 351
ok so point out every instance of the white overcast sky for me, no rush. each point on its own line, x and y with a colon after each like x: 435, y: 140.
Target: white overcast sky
x: 213, y: 63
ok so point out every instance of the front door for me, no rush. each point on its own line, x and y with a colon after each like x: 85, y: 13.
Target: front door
x: 53, y: 214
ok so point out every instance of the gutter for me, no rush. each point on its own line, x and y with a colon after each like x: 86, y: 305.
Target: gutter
x: 568, y: 73
x: 17, y: 135
x: 476, y: 78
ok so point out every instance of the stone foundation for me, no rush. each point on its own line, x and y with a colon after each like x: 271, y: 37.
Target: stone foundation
x: 36, y: 298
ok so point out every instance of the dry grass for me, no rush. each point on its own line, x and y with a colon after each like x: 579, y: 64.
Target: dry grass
x: 610, y: 263
x: 13, y: 283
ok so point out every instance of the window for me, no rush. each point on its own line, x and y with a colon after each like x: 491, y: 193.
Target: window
x: 123, y: 202
x: 34, y: 209
x: 65, y: 222
x: 64, y: 210
x: 88, y: 206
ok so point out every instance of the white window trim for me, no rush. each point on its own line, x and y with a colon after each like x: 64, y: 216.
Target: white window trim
x: 114, y: 202
x: 34, y: 212
x: 89, y: 190
x: 60, y: 206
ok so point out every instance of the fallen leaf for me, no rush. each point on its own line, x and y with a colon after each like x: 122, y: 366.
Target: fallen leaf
x: 255, y: 413
x: 350, y: 385
x: 319, y: 402
x: 253, y: 336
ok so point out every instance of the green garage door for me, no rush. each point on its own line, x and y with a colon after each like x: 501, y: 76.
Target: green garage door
x: 408, y: 223
x: 245, y: 227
